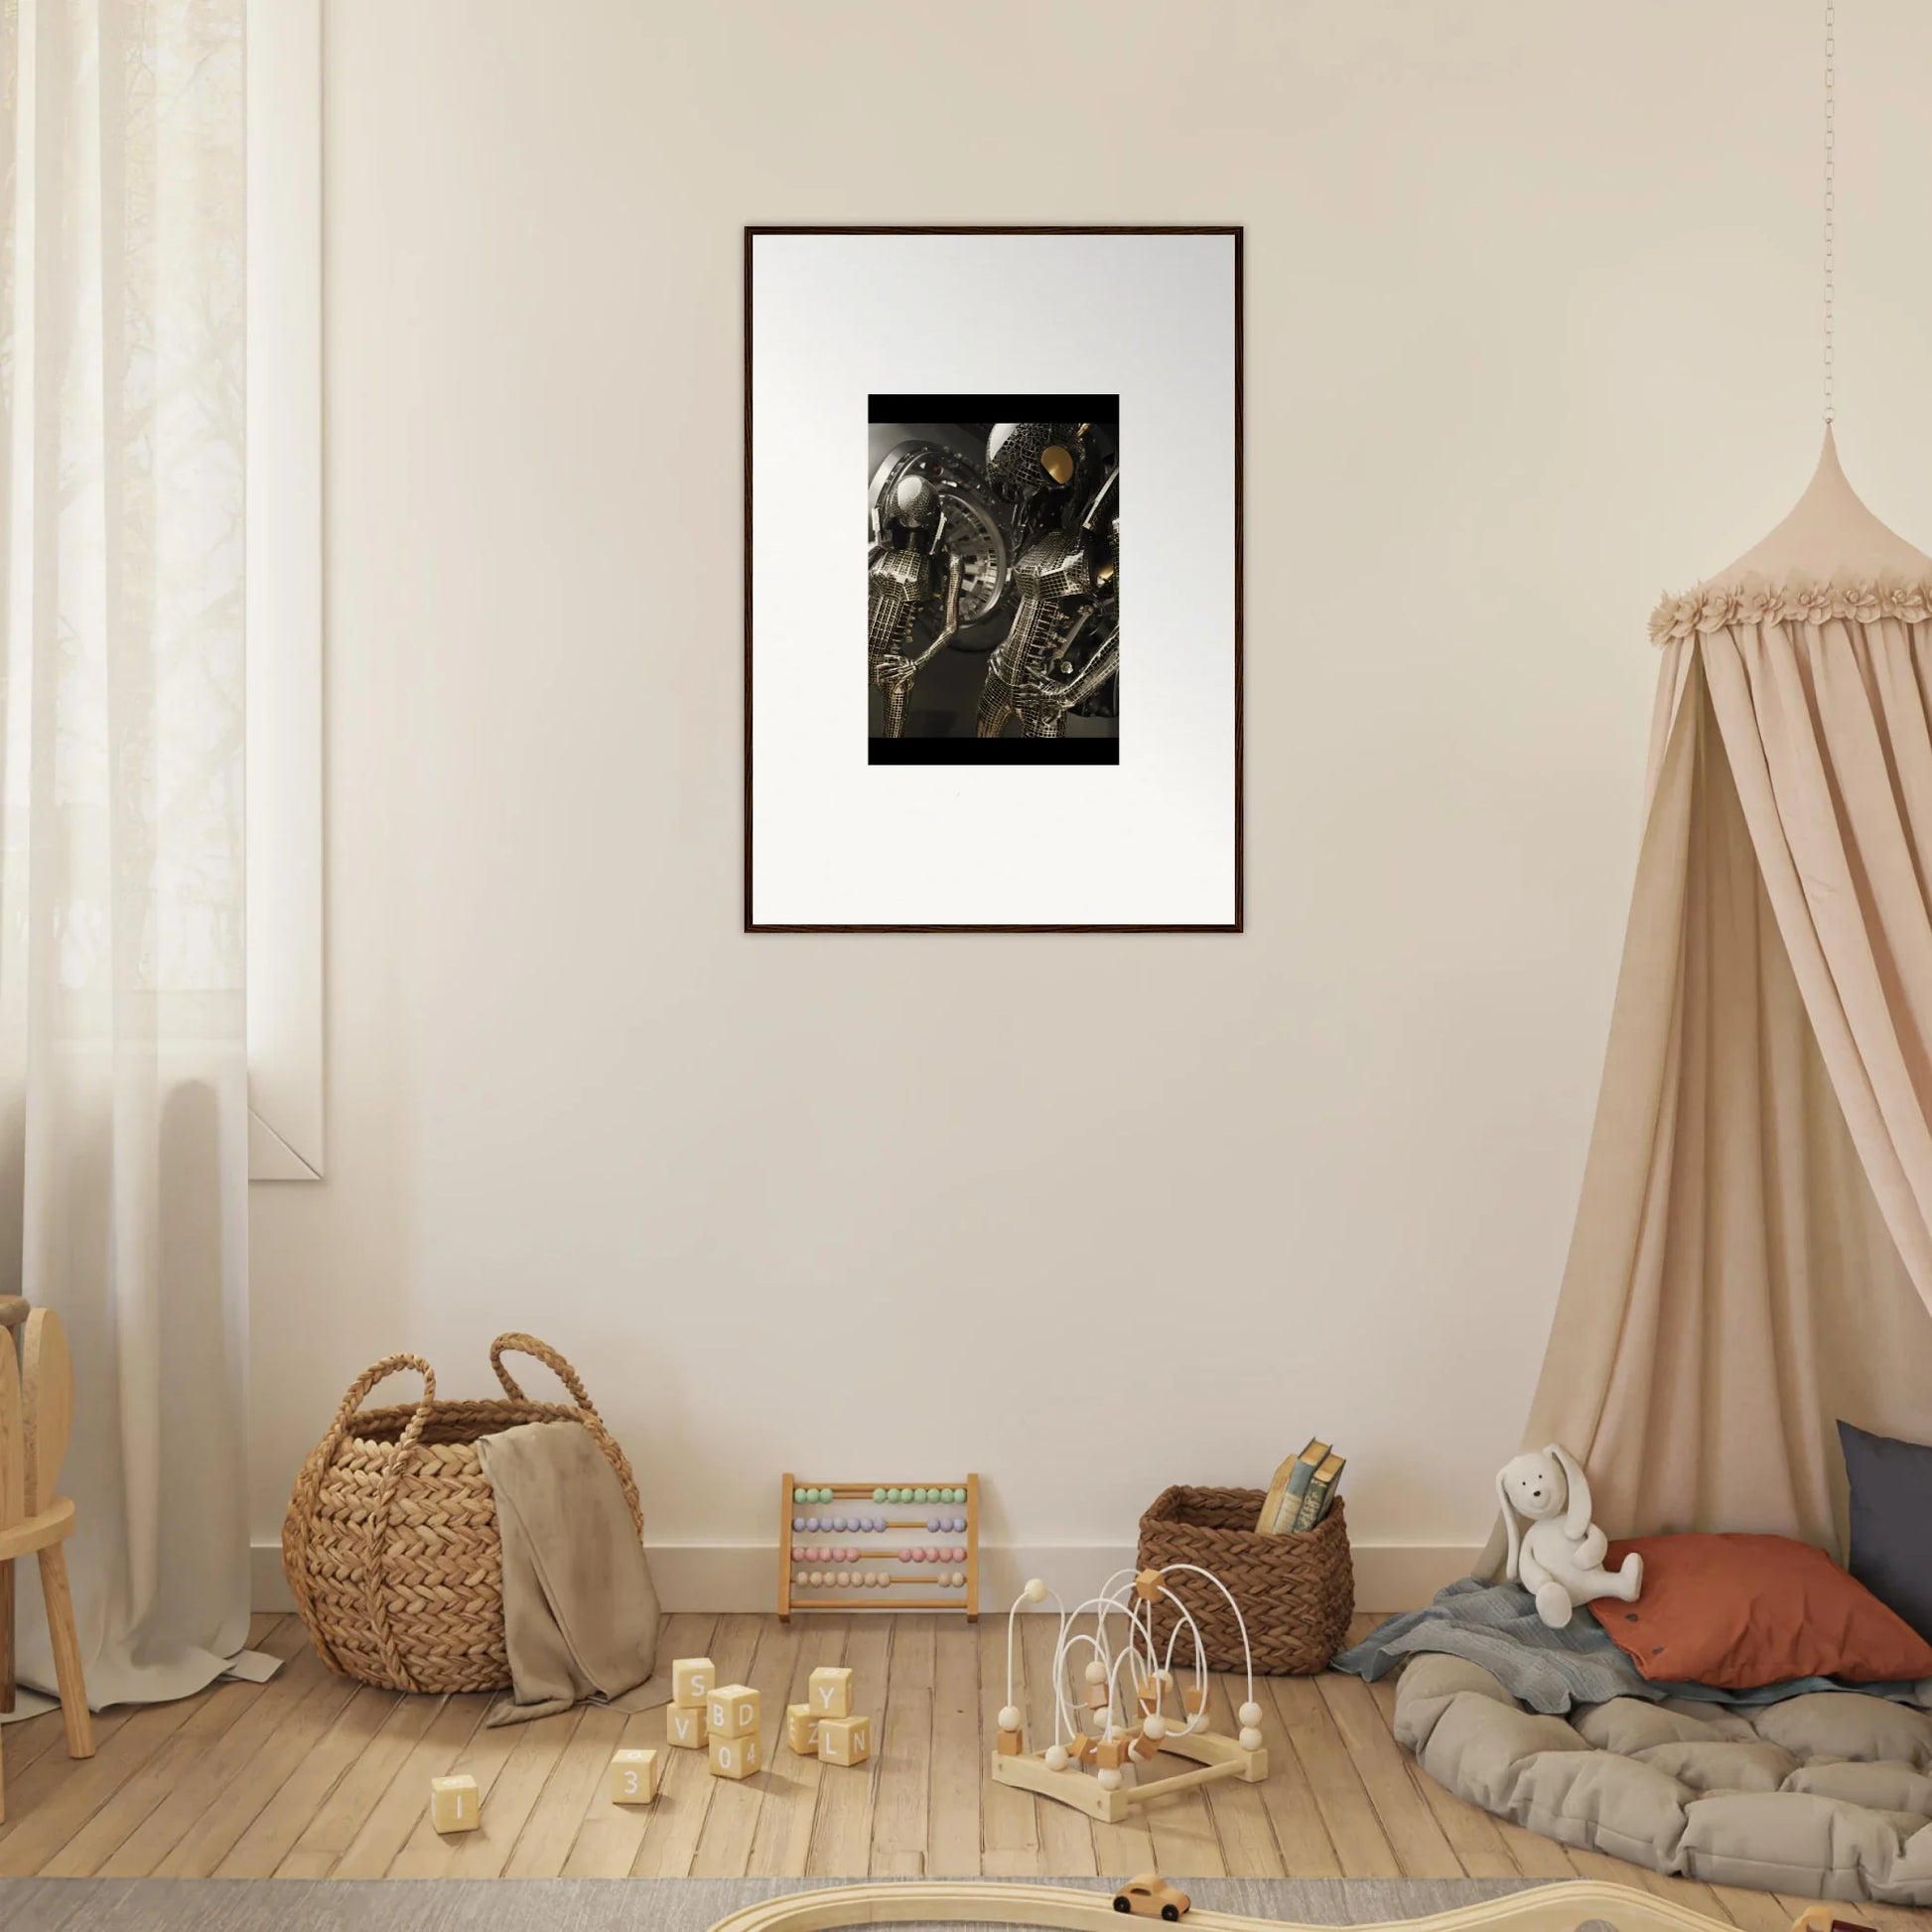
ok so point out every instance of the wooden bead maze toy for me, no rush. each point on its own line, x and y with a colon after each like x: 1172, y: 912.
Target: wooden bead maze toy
x: 897, y: 1546
x: 1094, y: 1743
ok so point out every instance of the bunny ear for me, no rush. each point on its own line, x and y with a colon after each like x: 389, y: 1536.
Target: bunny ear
x: 1576, y: 1509
x: 1515, y: 1528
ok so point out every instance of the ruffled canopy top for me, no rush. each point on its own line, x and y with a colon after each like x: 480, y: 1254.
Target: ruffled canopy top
x: 1830, y: 557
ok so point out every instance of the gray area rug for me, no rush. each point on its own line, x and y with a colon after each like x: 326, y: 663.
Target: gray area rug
x: 606, y: 1904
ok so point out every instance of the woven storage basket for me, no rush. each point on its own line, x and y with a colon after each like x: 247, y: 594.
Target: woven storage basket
x: 391, y: 1545
x: 1297, y: 1591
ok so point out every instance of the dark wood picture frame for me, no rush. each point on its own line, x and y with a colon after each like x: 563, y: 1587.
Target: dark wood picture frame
x: 1236, y: 233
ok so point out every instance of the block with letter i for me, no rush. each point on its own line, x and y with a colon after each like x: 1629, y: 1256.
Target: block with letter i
x: 684, y: 1726
x: 633, y: 1778
x: 830, y: 1691
x: 693, y: 1679
x: 735, y: 1758
x: 454, y: 1804
x: 732, y: 1711
x: 844, y: 1741
x: 801, y: 1730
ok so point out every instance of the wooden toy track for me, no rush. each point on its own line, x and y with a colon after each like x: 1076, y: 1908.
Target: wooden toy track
x: 1547, y: 1908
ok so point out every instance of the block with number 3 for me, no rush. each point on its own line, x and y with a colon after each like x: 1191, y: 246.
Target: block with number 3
x: 633, y: 1778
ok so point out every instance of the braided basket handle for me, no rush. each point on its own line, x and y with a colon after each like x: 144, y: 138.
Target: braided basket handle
x: 541, y: 1351
x: 295, y: 1554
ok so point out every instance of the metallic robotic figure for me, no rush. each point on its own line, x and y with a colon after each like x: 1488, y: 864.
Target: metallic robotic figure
x: 898, y: 577
x: 1063, y: 646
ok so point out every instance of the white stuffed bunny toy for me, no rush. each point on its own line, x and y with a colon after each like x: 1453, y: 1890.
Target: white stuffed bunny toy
x: 1560, y: 1559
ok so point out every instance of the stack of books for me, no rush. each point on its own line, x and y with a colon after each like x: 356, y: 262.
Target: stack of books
x: 1304, y: 1490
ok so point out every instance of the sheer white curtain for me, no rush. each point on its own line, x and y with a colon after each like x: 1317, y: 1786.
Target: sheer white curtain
x: 123, y: 1154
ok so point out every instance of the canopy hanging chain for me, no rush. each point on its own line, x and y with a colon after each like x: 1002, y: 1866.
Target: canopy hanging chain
x: 1831, y: 188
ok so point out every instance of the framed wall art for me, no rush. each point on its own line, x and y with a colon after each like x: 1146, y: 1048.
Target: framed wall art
x: 1011, y: 457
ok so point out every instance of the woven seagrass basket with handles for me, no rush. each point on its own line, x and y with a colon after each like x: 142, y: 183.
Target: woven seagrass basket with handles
x: 391, y: 1545
x: 1296, y: 1590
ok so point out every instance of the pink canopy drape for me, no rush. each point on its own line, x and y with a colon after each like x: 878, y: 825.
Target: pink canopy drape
x: 1752, y: 1255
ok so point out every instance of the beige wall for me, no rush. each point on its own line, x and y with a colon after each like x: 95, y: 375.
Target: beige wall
x: 1532, y: 323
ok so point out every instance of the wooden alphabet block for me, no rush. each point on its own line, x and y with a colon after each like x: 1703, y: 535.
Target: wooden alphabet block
x: 732, y: 1711
x: 844, y: 1741
x: 633, y: 1778
x: 692, y: 1681
x: 1007, y: 1743
x: 735, y: 1758
x: 454, y: 1803
x: 830, y: 1690
x: 801, y: 1730
x: 684, y: 1727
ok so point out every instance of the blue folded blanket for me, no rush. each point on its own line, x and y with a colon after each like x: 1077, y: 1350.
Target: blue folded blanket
x: 1496, y: 1625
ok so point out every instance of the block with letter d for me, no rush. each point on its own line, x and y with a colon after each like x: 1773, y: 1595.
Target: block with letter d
x: 732, y: 1711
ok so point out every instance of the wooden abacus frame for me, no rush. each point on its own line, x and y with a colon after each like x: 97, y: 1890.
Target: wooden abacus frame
x: 888, y: 1598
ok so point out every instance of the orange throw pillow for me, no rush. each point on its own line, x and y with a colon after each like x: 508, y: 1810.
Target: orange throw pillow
x: 1739, y: 1610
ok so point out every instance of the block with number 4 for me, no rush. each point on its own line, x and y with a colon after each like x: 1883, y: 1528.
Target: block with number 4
x: 684, y: 1727
x: 692, y: 1681
x: 633, y: 1778
x: 830, y: 1690
x: 844, y: 1741
x: 732, y: 1711
x: 735, y: 1758
x: 453, y: 1805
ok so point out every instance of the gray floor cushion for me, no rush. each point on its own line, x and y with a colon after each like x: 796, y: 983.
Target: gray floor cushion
x: 1828, y: 1794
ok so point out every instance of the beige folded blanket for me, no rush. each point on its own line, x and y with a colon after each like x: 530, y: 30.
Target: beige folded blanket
x: 580, y: 1614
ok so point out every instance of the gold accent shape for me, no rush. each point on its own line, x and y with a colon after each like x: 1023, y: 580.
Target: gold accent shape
x: 1058, y: 462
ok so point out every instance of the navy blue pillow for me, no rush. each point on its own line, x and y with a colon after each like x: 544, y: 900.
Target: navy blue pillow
x: 1891, y: 1522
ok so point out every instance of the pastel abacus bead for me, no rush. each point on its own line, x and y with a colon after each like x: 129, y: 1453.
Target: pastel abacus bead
x: 798, y: 1495
x: 906, y: 1556
x: 879, y: 1494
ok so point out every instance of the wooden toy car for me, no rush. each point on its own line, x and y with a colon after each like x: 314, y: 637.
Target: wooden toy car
x: 1150, y: 1897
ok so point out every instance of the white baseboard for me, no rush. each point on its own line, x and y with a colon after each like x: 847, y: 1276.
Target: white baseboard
x: 738, y: 1576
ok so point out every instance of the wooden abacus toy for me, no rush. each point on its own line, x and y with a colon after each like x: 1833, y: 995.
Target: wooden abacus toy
x: 1085, y: 1771
x: 921, y: 1538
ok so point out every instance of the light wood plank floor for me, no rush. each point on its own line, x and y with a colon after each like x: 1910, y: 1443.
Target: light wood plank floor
x: 310, y: 1776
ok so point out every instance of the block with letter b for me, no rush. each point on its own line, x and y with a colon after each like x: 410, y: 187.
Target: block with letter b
x: 633, y: 1778
x: 735, y: 1758
x: 844, y: 1741
x: 830, y: 1690
x: 454, y: 1804
x: 732, y: 1711
x: 692, y: 1681
x: 684, y: 1727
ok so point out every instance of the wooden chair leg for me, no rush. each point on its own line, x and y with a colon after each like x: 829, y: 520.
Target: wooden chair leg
x: 66, y: 1652
x: 6, y: 1636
